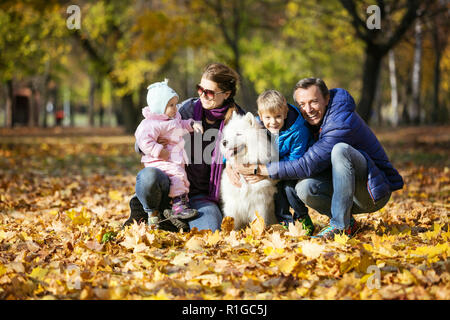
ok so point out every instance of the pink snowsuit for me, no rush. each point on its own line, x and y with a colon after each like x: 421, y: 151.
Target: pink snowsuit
x: 160, y: 125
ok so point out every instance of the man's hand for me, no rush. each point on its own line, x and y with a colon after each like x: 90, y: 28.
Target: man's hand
x: 234, y: 176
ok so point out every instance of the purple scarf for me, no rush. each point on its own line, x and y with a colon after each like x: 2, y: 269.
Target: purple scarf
x: 217, y: 159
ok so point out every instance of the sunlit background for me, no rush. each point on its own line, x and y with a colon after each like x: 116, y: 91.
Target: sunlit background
x: 88, y: 63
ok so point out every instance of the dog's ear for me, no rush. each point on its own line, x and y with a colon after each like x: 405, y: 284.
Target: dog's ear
x: 234, y: 114
x: 250, y: 118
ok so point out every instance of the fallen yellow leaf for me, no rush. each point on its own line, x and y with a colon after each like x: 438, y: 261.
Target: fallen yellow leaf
x: 287, y: 265
x: 115, y: 195
x: 38, y: 273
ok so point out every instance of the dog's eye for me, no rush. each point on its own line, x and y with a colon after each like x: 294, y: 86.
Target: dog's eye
x: 238, y: 134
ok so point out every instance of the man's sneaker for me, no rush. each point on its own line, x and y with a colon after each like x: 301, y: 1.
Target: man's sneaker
x: 180, y: 208
x: 180, y: 224
x: 329, y: 232
x: 137, y: 213
x: 352, y: 228
x: 307, y: 225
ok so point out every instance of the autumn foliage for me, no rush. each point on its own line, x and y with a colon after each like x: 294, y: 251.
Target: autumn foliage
x: 64, y: 196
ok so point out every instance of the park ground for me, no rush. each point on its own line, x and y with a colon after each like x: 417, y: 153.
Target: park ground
x: 64, y: 194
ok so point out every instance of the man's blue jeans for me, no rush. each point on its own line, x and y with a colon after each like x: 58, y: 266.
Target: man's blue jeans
x: 340, y: 191
x: 152, y: 190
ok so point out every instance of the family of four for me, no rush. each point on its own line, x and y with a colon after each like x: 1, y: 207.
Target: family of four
x: 329, y: 159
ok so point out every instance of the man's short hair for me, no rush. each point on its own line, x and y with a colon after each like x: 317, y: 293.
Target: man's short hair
x: 271, y: 101
x: 308, y: 82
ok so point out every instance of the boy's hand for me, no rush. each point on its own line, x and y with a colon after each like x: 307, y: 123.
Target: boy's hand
x: 197, y: 126
x: 164, y: 154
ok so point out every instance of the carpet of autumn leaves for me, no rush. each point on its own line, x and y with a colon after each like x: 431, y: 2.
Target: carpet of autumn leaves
x: 64, y: 195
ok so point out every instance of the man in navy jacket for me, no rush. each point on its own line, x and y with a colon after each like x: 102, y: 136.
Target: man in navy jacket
x: 346, y: 171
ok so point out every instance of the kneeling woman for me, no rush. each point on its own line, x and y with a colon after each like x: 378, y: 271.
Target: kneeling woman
x: 213, y: 108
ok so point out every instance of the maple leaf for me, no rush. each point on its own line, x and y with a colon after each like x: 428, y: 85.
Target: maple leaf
x: 311, y: 250
x: 195, y: 269
x: 296, y: 229
x: 274, y: 244
x: 213, y: 238
x: 194, y: 243
x: 79, y: 216
x: 341, y: 238
x: 115, y: 195
x: 94, y: 246
x: 133, y: 239
x: 227, y: 225
x: 257, y: 226
x: 232, y: 240
x: 3, y: 270
x: 181, y: 259
x: 287, y: 265
x: 431, y: 251
x: 39, y: 273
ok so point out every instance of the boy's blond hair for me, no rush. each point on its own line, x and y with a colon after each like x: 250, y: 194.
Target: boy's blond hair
x: 271, y: 101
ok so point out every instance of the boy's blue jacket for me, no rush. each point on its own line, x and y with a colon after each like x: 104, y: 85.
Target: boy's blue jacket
x: 294, y: 138
x: 342, y: 124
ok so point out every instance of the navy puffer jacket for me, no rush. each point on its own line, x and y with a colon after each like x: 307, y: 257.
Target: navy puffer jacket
x: 342, y: 124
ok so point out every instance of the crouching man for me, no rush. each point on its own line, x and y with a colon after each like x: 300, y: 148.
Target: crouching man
x: 346, y: 171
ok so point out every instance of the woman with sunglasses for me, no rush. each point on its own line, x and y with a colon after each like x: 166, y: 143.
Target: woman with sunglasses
x: 214, y: 107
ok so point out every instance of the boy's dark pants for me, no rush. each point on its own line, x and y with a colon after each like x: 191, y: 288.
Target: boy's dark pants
x: 286, y: 197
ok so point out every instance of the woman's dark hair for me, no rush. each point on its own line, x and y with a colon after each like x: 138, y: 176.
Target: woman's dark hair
x: 308, y: 82
x: 225, y: 77
x: 227, y: 80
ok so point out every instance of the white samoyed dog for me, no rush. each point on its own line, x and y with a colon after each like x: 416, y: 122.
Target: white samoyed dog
x: 245, y: 141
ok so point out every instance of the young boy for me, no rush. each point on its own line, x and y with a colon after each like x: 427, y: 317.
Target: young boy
x: 286, y: 123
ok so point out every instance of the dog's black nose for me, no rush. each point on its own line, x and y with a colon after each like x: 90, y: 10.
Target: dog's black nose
x: 224, y: 143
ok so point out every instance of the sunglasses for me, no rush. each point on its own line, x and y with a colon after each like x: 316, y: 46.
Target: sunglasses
x: 209, y: 94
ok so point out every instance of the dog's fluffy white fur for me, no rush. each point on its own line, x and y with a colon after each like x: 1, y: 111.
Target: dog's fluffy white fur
x: 245, y: 141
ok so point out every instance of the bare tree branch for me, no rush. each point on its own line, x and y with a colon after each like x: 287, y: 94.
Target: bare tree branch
x: 357, y: 23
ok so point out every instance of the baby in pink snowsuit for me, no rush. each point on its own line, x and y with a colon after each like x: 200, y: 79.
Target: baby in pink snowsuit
x: 162, y: 122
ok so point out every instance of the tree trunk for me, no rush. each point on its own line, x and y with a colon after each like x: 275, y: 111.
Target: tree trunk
x: 394, y: 91
x: 378, y: 101
x: 43, y: 88
x: 371, y: 72
x: 9, y: 103
x: 416, y: 75
x: 129, y: 113
x: 437, y: 75
x: 67, y: 106
x: 92, y: 88
x: 32, y: 108
x: 190, y: 70
x: 406, y: 118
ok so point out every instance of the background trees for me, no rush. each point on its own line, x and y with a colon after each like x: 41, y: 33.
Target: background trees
x: 100, y: 72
